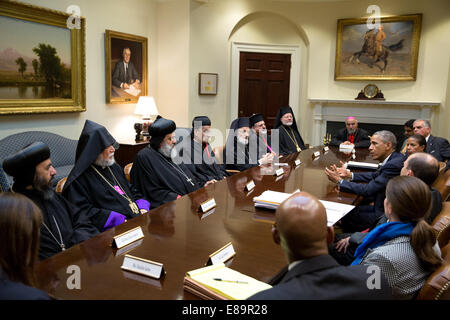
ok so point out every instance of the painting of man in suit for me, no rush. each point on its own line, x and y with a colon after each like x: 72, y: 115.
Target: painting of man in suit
x: 125, y: 74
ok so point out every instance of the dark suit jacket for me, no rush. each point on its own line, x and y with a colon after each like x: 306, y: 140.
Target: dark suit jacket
x: 376, y: 181
x: 11, y: 290
x: 118, y: 76
x: 321, y: 278
x: 439, y: 148
x: 362, y: 139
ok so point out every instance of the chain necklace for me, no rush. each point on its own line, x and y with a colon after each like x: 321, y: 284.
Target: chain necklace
x: 131, y: 203
x: 63, y: 247
x: 178, y: 169
x: 292, y: 139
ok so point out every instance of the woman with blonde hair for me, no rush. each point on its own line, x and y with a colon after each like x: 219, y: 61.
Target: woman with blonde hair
x: 404, y: 248
x: 20, y: 223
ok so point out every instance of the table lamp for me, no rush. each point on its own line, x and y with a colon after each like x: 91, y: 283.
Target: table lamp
x: 146, y: 107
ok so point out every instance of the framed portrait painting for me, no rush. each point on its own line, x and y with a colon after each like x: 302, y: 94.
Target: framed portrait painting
x: 387, y: 52
x: 126, y: 67
x: 42, y: 60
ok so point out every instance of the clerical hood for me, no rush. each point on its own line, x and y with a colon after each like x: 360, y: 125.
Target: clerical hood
x: 94, y: 138
x: 281, y: 112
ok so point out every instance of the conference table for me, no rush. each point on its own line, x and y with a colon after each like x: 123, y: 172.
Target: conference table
x: 182, y: 238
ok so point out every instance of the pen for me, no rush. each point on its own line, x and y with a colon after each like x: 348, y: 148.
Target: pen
x: 233, y: 281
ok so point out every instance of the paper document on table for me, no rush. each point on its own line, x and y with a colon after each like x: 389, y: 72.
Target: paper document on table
x: 335, y: 211
x: 133, y: 91
x: 271, y: 199
x: 346, y: 147
x: 364, y: 165
x: 225, y: 282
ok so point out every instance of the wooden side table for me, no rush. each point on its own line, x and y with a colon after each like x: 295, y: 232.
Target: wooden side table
x: 127, y: 150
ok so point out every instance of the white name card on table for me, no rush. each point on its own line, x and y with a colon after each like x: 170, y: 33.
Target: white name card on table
x: 316, y: 154
x: 223, y: 254
x: 143, y: 266
x: 128, y: 237
x: 326, y: 149
x: 297, y: 162
x: 279, y: 172
x: 250, y: 186
x: 207, y: 205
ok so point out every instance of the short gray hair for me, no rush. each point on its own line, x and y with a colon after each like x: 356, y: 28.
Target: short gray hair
x: 387, y: 136
x: 426, y: 123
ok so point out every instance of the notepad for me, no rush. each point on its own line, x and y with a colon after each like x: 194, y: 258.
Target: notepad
x: 335, y: 211
x: 237, y: 286
x: 271, y: 199
x: 133, y: 91
x: 362, y: 165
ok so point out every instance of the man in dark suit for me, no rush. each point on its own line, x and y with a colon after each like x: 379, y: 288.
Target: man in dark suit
x: 382, y: 148
x: 436, y: 146
x: 125, y: 74
x: 312, y: 273
x: 420, y: 165
x: 351, y: 134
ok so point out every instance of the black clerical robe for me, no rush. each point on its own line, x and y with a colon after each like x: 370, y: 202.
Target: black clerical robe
x: 72, y: 222
x: 288, y: 137
x: 159, y: 179
x: 91, y: 193
x: 259, y: 143
x: 238, y: 157
x: 201, y: 161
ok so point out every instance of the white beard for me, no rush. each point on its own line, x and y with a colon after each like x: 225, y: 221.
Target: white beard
x: 262, y: 132
x: 167, y: 151
x: 288, y: 124
x: 242, y: 140
x: 104, y: 163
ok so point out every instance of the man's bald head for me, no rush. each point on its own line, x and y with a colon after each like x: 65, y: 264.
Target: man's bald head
x: 421, y: 165
x: 302, y: 225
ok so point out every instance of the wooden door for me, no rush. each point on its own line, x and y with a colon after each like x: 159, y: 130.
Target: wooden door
x: 263, y: 84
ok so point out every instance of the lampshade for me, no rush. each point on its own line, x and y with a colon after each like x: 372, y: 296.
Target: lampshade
x: 146, y: 107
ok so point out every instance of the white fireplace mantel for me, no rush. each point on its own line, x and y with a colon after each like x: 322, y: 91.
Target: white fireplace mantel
x: 368, y: 111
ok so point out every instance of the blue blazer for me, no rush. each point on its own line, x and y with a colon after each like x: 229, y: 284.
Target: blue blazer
x: 322, y: 278
x: 439, y: 148
x: 376, y: 181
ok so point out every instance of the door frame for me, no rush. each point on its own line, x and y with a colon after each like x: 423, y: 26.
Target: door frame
x: 294, y: 84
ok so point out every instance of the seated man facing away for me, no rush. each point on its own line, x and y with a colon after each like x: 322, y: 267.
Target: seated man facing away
x: 236, y: 154
x: 351, y: 134
x: 290, y: 139
x: 196, y: 153
x: 97, y: 184
x: 312, y: 273
x: 64, y: 225
x: 382, y: 146
x: 155, y: 174
x: 420, y: 165
x: 436, y: 146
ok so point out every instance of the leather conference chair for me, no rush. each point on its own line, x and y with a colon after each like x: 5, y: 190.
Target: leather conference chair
x: 442, y: 166
x: 442, y: 184
x: 218, y: 152
x: 441, y: 225
x: 60, y: 185
x: 127, y: 170
x: 437, y: 286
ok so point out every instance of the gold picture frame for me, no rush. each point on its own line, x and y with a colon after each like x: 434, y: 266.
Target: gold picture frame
x: 125, y: 86
x: 32, y: 36
x: 368, y: 54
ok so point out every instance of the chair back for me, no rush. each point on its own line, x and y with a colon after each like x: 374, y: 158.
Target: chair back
x: 442, y: 184
x: 218, y: 152
x: 441, y: 225
x: 60, y: 185
x: 127, y: 170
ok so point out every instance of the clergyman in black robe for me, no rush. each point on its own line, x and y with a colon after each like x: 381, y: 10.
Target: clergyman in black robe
x: 97, y: 184
x: 155, y: 174
x: 64, y: 225
x: 239, y: 154
x: 259, y: 136
x: 290, y: 139
x: 196, y: 153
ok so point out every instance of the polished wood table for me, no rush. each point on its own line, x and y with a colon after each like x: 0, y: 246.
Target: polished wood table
x: 182, y: 239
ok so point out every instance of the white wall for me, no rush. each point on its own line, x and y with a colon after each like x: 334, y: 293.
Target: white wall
x: 135, y: 17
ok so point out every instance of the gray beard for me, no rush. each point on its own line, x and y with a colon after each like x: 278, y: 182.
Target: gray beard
x: 351, y: 131
x: 104, y: 163
x: 288, y: 124
x: 242, y: 140
x: 43, y: 188
x: 167, y: 151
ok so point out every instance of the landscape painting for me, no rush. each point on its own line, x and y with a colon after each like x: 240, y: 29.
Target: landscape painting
x: 387, y: 52
x: 42, y: 60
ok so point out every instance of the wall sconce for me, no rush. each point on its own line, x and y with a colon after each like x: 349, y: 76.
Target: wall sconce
x: 146, y: 107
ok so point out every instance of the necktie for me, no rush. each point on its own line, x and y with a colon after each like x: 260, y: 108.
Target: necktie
x: 126, y: 67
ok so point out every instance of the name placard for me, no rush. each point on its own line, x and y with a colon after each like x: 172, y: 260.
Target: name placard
x: 128, y: 237
x: 279, y: 172
x: 223, y: 254
x: 207, y: 205
x: 128, y: 248
x: 297, y: 162
x: 316, y: 154
x: 143, y: 266
x: 325, y: 149
x: 249, y: 186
